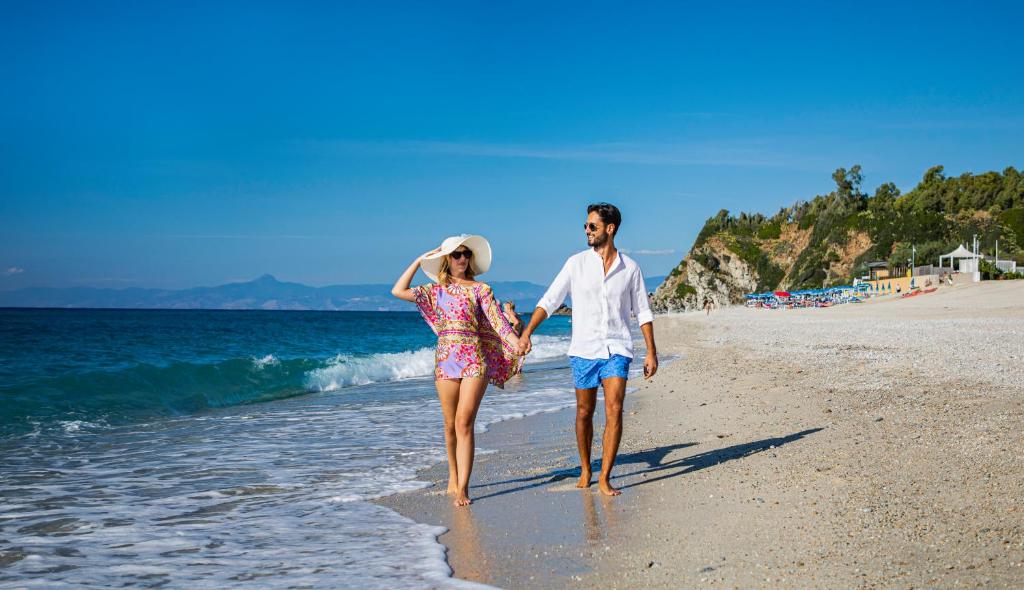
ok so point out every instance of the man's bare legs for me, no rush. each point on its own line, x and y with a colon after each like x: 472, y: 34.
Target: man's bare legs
x: 614, y: 393
x: 471, y: 393
x: 586, y: 400
x: 448, y: 393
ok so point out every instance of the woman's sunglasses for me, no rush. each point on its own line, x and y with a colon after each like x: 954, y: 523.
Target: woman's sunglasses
x: 460, y: 253
x: 590, y: 226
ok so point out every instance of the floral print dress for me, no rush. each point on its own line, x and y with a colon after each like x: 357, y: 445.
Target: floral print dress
x: 471, y: 332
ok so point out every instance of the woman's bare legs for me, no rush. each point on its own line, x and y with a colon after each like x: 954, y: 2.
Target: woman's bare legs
x: 471, y: 393
x: 448, y: 393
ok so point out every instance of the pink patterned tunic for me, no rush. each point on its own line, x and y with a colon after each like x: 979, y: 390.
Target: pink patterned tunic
x: 471, y: 332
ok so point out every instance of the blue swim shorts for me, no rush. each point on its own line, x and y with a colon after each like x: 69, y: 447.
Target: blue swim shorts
x: 588, y: 373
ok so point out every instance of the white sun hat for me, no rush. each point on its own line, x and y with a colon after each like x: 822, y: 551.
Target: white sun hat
x: 480, y: 261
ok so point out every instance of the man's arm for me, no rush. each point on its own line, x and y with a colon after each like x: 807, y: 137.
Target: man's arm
x: 552, y: 298
x: 651, y: 361
x: 644, y: 316
x: 538, y: 317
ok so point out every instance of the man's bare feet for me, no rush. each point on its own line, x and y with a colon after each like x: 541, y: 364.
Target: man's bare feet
x: 584, y: 481
x: 606, y: 488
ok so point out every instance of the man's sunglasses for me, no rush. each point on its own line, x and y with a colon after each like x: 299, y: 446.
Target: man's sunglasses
x: 460, y: 253
x: 590, y: 226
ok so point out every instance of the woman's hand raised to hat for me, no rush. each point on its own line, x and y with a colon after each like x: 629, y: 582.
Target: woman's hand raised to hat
x: 434, y: 251
x: 402, y: 288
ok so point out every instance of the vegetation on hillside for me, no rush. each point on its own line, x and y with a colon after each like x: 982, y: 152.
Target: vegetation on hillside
x: 937, y: 215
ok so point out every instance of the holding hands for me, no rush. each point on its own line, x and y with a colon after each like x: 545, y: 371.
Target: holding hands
x: 524, y: 346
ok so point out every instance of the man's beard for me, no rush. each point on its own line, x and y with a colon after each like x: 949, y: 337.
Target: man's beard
x: 598, y: 241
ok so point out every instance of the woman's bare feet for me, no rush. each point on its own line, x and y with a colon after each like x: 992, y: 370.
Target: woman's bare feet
x: 453, y: 486
x: 462, y: 498
x: 584, y: 481
x: 606, y: 488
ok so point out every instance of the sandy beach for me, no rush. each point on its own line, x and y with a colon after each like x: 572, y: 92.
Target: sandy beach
x: 867, y: 445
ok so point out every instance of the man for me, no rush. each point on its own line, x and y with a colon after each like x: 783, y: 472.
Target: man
x: 606, y: 287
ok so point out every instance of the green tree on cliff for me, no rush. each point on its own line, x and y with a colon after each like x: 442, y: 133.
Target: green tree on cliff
x: 935, y: 216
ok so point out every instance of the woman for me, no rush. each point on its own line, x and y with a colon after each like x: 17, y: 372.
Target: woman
x: 475, y: 343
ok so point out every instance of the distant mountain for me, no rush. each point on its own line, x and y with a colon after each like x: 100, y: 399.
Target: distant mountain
x: 266, y: 292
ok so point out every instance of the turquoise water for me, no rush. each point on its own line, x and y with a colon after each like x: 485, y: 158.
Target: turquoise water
x: 214, y: 448
x: 118, y: 366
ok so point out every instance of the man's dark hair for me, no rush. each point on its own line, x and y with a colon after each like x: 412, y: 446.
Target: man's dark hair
x: 608, y: 213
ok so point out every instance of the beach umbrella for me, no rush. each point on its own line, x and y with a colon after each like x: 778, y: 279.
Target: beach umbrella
x: 781, y: 294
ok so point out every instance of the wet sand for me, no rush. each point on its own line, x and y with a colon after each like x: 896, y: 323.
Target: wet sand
x: 869, y: 445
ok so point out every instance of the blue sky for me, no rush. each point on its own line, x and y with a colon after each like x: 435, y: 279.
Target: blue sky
x: 180, y: 144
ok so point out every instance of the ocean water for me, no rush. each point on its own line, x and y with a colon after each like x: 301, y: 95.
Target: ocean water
x: 207, y: 449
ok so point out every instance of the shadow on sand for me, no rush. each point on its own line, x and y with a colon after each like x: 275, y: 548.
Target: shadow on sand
x: 654, y: 461
x: 654, y: 458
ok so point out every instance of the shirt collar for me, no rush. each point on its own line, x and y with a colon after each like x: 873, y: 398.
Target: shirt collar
x: 615, y: 265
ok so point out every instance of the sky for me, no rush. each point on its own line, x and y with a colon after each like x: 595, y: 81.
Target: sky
x: 181, y: 144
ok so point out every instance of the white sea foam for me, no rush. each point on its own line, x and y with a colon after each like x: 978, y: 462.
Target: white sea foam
x: 268, y: 360
x: 346, y: 370
x: 525, y: 403
x: 70, y: 426
x: 548, y: 347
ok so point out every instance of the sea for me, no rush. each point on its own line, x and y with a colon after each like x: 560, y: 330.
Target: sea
x: 214, y: 449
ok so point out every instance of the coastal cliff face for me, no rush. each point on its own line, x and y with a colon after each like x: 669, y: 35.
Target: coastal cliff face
x: 829, y: 240
x: 724, y: 268
x: 711, y: 271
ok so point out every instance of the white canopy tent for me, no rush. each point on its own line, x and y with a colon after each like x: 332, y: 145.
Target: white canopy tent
x: 958, y: 254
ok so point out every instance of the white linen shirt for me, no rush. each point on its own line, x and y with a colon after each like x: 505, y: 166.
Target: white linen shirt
x: 601, y: 304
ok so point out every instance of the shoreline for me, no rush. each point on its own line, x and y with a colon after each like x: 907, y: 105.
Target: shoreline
x: 529, y: 462
x: 845, y: 447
